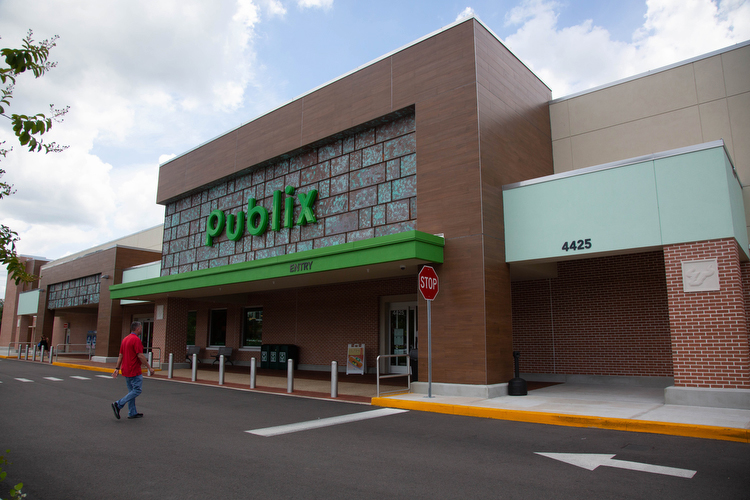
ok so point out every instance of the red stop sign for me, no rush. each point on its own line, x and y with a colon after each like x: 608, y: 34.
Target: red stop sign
x: 428, y: 283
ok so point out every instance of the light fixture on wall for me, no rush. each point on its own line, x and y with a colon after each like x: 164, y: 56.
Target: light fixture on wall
x: 105, y: 276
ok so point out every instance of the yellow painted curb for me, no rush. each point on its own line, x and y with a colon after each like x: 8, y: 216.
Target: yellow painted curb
x: 619, y: 424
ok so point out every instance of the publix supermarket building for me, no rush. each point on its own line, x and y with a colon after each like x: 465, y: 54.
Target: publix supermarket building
x: 603, y: 235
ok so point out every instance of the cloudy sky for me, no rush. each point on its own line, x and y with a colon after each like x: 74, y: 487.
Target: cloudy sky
x: 149, y: 79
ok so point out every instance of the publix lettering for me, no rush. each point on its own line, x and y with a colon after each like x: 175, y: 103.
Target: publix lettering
x: 257, y: 216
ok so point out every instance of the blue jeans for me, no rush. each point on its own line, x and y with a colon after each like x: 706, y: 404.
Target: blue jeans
x: 134, y: 386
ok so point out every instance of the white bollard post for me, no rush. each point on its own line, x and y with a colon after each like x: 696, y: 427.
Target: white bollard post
x: 171, y: 365
x: 33, y: 354
x: 195, y: 367
x: 221, y: 370
x: 18, y: 352
x: 51, y: 350
x: 28, y: 348
x: 334, y: 379
x: 290, y: 376
x: 150, y: 361
x: 41, y: 355
x: 252, y: 373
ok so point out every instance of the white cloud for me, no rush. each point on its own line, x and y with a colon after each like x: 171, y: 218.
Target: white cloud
x: 144, y: 80
x: 467, y: 12
x: 318, y: 4
x: 575, y: 58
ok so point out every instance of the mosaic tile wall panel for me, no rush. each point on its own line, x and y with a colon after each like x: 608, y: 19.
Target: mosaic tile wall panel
x: 76, y: 292
x: 366, y: 183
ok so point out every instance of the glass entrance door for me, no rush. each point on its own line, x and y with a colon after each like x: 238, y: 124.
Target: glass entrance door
x: 402, y: 333
x: 147, y: 337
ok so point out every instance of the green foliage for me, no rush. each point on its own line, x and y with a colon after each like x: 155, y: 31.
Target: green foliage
x: 28, y: 128
x: 15, y: 491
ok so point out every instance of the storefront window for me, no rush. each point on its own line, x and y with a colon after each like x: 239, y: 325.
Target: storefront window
x: 252, y: 327
x: 218, y: 331
x: 192, y: 316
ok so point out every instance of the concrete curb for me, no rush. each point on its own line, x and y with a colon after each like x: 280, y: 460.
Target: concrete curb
x: 618, y: 424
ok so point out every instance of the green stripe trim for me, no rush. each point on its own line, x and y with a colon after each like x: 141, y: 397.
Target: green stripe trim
x: 383, y: 249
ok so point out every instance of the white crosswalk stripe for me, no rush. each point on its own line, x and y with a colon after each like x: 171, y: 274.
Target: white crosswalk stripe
x: 54, y: 379
x: 324, y: 422
x: 78, y: 377
x: 24, y: 380
x: 104, y: 376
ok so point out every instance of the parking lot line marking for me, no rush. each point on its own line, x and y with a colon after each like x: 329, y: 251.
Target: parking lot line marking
x: 78, y: 377
x: 324, y: 422
x: 24, y: 380
x: 54, y: 379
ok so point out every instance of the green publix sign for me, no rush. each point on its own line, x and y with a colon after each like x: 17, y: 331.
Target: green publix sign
x: 257, y: 216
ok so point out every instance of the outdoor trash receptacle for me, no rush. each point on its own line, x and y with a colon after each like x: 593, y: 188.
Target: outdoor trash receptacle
x: 265, y: 358
x: 273, y: 356
x: 286, y: 352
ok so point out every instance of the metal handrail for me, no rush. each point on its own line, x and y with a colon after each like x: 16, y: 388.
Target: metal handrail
x: 393, y: 375
x: 63, y: 348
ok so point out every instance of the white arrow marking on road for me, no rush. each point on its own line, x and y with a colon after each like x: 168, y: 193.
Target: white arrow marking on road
x: 54, y: 379
x: 24, y: 380
x: 324, y: 422
x: 591, y: 461
x: 79, y: 377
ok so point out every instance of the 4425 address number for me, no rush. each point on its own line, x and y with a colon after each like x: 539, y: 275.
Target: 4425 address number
x: 577, y: 245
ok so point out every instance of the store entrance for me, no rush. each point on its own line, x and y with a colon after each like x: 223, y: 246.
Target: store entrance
x: 147, y: 337
x: 402, y: 333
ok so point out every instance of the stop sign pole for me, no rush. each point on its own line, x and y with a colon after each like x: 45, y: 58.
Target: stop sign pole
x: 428, y: 286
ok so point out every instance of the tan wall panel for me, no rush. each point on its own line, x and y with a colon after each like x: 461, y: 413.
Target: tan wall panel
x: 650, y: 135
x: 649, y: 96
x: 739, y: 120
x: 736, y: 64
x: 562, y: 155
x: 709, y: 80
x: 559, y: 120
x: 714, y: 117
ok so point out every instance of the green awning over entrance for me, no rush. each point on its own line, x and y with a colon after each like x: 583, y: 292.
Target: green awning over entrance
x: 385, y: 256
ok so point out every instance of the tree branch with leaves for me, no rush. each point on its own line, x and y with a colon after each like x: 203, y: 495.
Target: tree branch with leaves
x: 29, y: 129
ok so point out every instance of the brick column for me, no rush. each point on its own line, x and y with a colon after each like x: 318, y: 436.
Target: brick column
x: 709, y: 329
x: 170, y: 332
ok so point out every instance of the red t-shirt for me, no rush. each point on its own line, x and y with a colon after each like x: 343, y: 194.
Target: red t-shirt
x: 130, y: 347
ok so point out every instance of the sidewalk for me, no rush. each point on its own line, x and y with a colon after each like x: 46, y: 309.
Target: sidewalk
x: 633, y: 409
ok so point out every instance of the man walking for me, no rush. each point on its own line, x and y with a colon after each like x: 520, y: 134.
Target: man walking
x: 130, y: 359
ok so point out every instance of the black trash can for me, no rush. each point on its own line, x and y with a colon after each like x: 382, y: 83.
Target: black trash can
x: 265, y: 357
x: 273, y: 356
x: 287, y: 352
x: 414, y: 361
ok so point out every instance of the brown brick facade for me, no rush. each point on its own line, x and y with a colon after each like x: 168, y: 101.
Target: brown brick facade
x: 709, y: 329
x: 320, y: 320
x: 603, y: 316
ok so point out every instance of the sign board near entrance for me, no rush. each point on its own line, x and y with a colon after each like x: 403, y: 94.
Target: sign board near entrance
x: 355, y: 359
x: 428, y: 283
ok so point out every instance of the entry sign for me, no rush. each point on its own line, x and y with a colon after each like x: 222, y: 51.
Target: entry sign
x: 428, y: 283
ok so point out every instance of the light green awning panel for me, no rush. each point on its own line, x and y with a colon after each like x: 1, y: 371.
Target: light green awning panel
x: 411, y: 246
x: 675, y: 197
x: 28, y: 302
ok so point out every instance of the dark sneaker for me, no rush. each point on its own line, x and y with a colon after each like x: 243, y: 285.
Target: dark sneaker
x: 137, y: 415
x: 116, y: 409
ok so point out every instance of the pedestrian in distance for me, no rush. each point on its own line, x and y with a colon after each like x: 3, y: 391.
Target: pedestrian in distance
x: 131, y: 359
